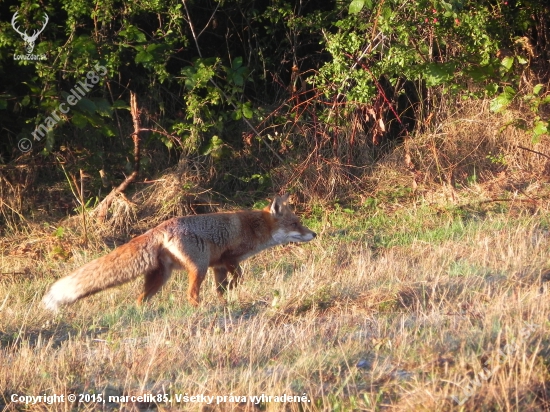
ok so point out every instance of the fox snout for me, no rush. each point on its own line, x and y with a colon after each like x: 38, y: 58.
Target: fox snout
x: 306, y: 236
x: 298, y: 233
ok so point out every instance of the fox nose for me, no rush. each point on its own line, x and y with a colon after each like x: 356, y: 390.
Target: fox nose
x: 314, y: 234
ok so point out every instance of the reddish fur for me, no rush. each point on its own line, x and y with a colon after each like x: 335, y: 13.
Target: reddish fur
x: 194, y: 243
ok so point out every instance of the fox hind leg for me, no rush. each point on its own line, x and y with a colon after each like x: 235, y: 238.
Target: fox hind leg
x: 191, y: 253
x: 236, y: 274
x: 154, y: 280
x: 223, y: 283
x: 220, y: 275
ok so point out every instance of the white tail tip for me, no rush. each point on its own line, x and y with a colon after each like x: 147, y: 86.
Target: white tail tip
x: 62, y: 292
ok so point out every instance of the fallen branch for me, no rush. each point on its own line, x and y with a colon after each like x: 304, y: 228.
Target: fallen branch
x: 533, y: 151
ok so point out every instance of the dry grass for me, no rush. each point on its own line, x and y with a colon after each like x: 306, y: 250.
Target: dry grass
x: 472, y: 145
x: 426, y: 296
x: 351, y: 325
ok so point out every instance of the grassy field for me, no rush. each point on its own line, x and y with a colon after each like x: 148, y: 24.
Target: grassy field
x: 430, y: 294
x: 427, y: 307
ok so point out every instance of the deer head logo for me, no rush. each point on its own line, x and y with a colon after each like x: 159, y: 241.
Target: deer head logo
x: 29, y: 40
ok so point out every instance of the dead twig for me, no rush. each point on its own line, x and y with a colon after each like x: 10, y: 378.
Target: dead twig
x: 104, y: 206
x: 533, y: 151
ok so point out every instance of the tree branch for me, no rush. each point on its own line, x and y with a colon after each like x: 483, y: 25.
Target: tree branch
x: 104, y: 206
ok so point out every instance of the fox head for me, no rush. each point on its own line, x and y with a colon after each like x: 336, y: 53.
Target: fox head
x: 287, y: 226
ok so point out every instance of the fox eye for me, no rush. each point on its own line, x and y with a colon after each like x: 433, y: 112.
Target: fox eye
x: 295, y: 224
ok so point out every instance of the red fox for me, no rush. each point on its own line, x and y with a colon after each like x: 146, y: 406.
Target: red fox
x: 194, y: 243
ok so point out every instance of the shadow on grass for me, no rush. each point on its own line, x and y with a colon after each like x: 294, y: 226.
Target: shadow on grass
x: 52, y: 337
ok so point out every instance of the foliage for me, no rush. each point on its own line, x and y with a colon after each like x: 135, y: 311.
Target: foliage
x: 205, y: 72
x: 445, y: 44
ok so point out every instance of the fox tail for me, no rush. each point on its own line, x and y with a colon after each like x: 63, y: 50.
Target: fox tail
x: 139, y: 256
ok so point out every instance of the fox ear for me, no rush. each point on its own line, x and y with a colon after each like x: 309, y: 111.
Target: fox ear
x: 278, y: 205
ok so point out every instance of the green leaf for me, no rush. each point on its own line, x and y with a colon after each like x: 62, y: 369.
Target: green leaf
x: 507, y: 62
x: 87, y: 105
x: 190, y: 74
x: 189, y: 71
x: 83, y: 45
x: 238, y: 79
x: 79, y: 120
x: 103, y: 107
x: 59, y: 232
x: 107, y: 130
x: 236, y: 63
x: 167, y: 142
x: 237, y: 115
x: 537, y: 89
x: 214, y: 144
x: 143, y: 57
x: 479, y: 73
x: 491, y: 89
x: 50, y: 141
x: 157, y: 49
x: 522, y: 60
x: 539, y: 129
x: 132, y: 33
x: 207, y: 61
x: 247, y: 110
x: 502, y: 100
x: 356, y: 6
x: 387, y: 13
x: 510, y: 91
x: 438, y: 73
x: 33, y: 87
x: 120, y: 104
x: 3, y: 104
x: 447, y: 6
x: 152, y: 52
